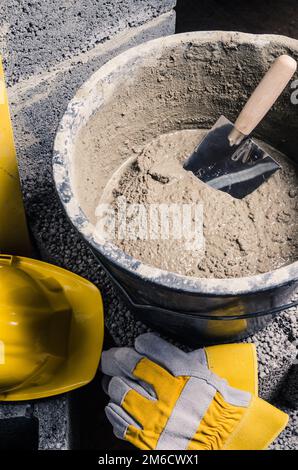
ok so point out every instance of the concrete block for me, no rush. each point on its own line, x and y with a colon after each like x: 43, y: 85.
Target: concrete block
x: 53, y: 415
x: 53, y: 420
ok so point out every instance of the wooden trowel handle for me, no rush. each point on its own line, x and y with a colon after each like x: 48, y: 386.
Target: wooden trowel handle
x: 264, y: 96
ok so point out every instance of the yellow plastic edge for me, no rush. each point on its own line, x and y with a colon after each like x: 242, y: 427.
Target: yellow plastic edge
x: 14, y: 236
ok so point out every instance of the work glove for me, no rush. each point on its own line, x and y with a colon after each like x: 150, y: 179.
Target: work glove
x: 165, y: 399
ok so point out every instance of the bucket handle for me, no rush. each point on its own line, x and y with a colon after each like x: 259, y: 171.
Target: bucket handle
x: 137, y: 306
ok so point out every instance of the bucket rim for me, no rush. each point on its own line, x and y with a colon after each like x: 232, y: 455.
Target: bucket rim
x: 73, y: 120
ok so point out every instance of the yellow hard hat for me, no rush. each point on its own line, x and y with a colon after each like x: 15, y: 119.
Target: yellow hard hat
x: 51, y: 329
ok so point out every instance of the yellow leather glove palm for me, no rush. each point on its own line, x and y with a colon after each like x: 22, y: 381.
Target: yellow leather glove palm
x: 163, y: 398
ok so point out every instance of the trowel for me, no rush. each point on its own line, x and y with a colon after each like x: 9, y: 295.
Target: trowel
x: 227, y: 158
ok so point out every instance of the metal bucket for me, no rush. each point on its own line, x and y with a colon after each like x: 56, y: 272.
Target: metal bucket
x: 193, y: 309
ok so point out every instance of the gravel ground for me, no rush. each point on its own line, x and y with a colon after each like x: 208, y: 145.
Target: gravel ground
x: 36, y: 113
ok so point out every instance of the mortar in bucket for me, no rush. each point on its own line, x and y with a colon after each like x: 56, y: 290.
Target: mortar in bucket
x: 185, y: 77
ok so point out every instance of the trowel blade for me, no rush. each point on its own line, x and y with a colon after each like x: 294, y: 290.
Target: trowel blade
x: 238, y: 169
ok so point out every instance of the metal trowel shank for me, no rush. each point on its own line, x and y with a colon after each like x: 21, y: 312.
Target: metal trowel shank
x: 238, y: 169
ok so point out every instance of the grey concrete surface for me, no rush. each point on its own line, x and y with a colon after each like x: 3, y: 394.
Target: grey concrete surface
x: 36, y: 35
x: 41, y: 84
